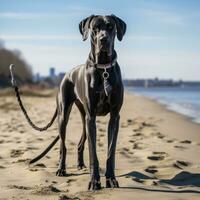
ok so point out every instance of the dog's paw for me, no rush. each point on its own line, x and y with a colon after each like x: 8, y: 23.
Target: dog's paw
x: 81, y: 166
x: 112, y: 183
x: 61, y: 172
x: 94, y: 185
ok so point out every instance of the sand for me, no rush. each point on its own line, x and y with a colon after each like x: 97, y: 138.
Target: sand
x: 157, y: 154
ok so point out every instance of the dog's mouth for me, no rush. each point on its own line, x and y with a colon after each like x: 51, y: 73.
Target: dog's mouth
x: 105, y: 47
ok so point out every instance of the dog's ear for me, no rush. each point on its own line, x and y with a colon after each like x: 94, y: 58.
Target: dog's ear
x: 121, y: 27
x: 84, y: 27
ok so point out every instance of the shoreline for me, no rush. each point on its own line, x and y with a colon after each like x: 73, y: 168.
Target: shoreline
x: 166, y: 115
x: 166, y: 106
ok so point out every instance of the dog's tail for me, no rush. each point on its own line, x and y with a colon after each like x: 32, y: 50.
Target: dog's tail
x: 22, y: 106
x: 45, y: 151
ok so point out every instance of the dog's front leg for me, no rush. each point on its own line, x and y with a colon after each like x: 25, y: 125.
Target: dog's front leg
x: 94, y: 184
x: 113, y: 127
x: 64, y: 105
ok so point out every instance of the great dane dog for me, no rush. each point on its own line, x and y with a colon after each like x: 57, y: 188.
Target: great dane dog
x: 97, y: 89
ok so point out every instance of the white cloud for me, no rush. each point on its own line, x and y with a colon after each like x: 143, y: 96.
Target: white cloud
x: 146, y: 37
x: 70, y: 11
x: 28, y: 15
x: 39, y: 37
x: 162, y: 16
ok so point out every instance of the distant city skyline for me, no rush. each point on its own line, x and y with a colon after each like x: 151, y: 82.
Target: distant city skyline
x: 162, y: 38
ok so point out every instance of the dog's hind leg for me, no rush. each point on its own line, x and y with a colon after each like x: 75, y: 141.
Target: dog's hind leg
x: 65, y: 100
x: 81, y: 143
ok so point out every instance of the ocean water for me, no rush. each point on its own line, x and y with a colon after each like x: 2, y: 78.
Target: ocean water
x: 184, y: 100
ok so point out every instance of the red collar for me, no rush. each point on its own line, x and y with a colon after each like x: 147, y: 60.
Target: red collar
x: 107, y: 65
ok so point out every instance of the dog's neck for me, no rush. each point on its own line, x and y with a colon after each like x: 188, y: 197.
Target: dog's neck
x: 102, y: 58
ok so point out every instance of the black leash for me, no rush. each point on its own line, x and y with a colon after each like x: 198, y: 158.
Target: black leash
x: 17, y: 93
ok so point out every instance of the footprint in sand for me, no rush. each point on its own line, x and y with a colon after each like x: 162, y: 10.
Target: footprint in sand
x: 180, y: 147
x: 5, y: 136
x: 138, y: 180
x: 2, y: 141
x: 48, y: 157
x: 32, y: 148
x: 42, y: 190
x: 67, y: 197
x: 72, y: 143
x: 151, y: 169
x: 130, y: 121
x: 159, y: 153
x: 181, y: 164
x: 101, y: 135
x: 156, y: 157
x: 16, y: 153
x: 158, y: 134
x: 186, y: 142
x: 137, y: 134
x: 70, y: 180
x: 100, y: 144
x: 137, y: 127
x: 40, y: 139
x: 41, y: 165
x: 21, y: 131
x: 138, y: 146
x: 26, y: 160
x: 101, y: 130
x: 170, y: 141
x: 148, y: 124
x: 54, y: 182
x: 125, y: 151
x: 33, y: 170
x: 20, y: 187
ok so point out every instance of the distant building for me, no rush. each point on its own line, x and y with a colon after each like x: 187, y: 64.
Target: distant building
x: 37, y: 77
x: 52, y: 73
x: 150, y: 82
x: 61, y: 76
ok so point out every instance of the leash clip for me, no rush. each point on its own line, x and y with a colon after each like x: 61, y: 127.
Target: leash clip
x: 106, y: 84
x: 105, y: 74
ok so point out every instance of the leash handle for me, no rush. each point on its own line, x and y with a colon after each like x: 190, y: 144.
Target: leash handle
x: 13, y: 82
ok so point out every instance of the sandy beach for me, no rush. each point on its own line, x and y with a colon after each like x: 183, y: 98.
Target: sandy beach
x: 157, y: 154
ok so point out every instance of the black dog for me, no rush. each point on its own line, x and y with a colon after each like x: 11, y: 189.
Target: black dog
x: 97, y: 89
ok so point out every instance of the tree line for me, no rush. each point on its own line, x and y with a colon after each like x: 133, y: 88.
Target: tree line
x: 23, y: 70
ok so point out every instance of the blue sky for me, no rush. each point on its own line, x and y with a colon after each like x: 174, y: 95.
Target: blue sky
x: 162, y: 39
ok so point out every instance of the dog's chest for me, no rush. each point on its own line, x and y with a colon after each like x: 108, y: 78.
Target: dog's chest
x: 103, y: 106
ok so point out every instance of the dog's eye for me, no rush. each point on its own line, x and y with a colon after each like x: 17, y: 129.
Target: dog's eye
x: 110, y: 27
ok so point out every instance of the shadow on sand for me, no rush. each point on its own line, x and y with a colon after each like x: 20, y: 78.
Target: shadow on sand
x: 182, y: 179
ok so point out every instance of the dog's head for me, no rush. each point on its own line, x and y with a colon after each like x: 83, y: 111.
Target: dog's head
x: 103, y: 31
